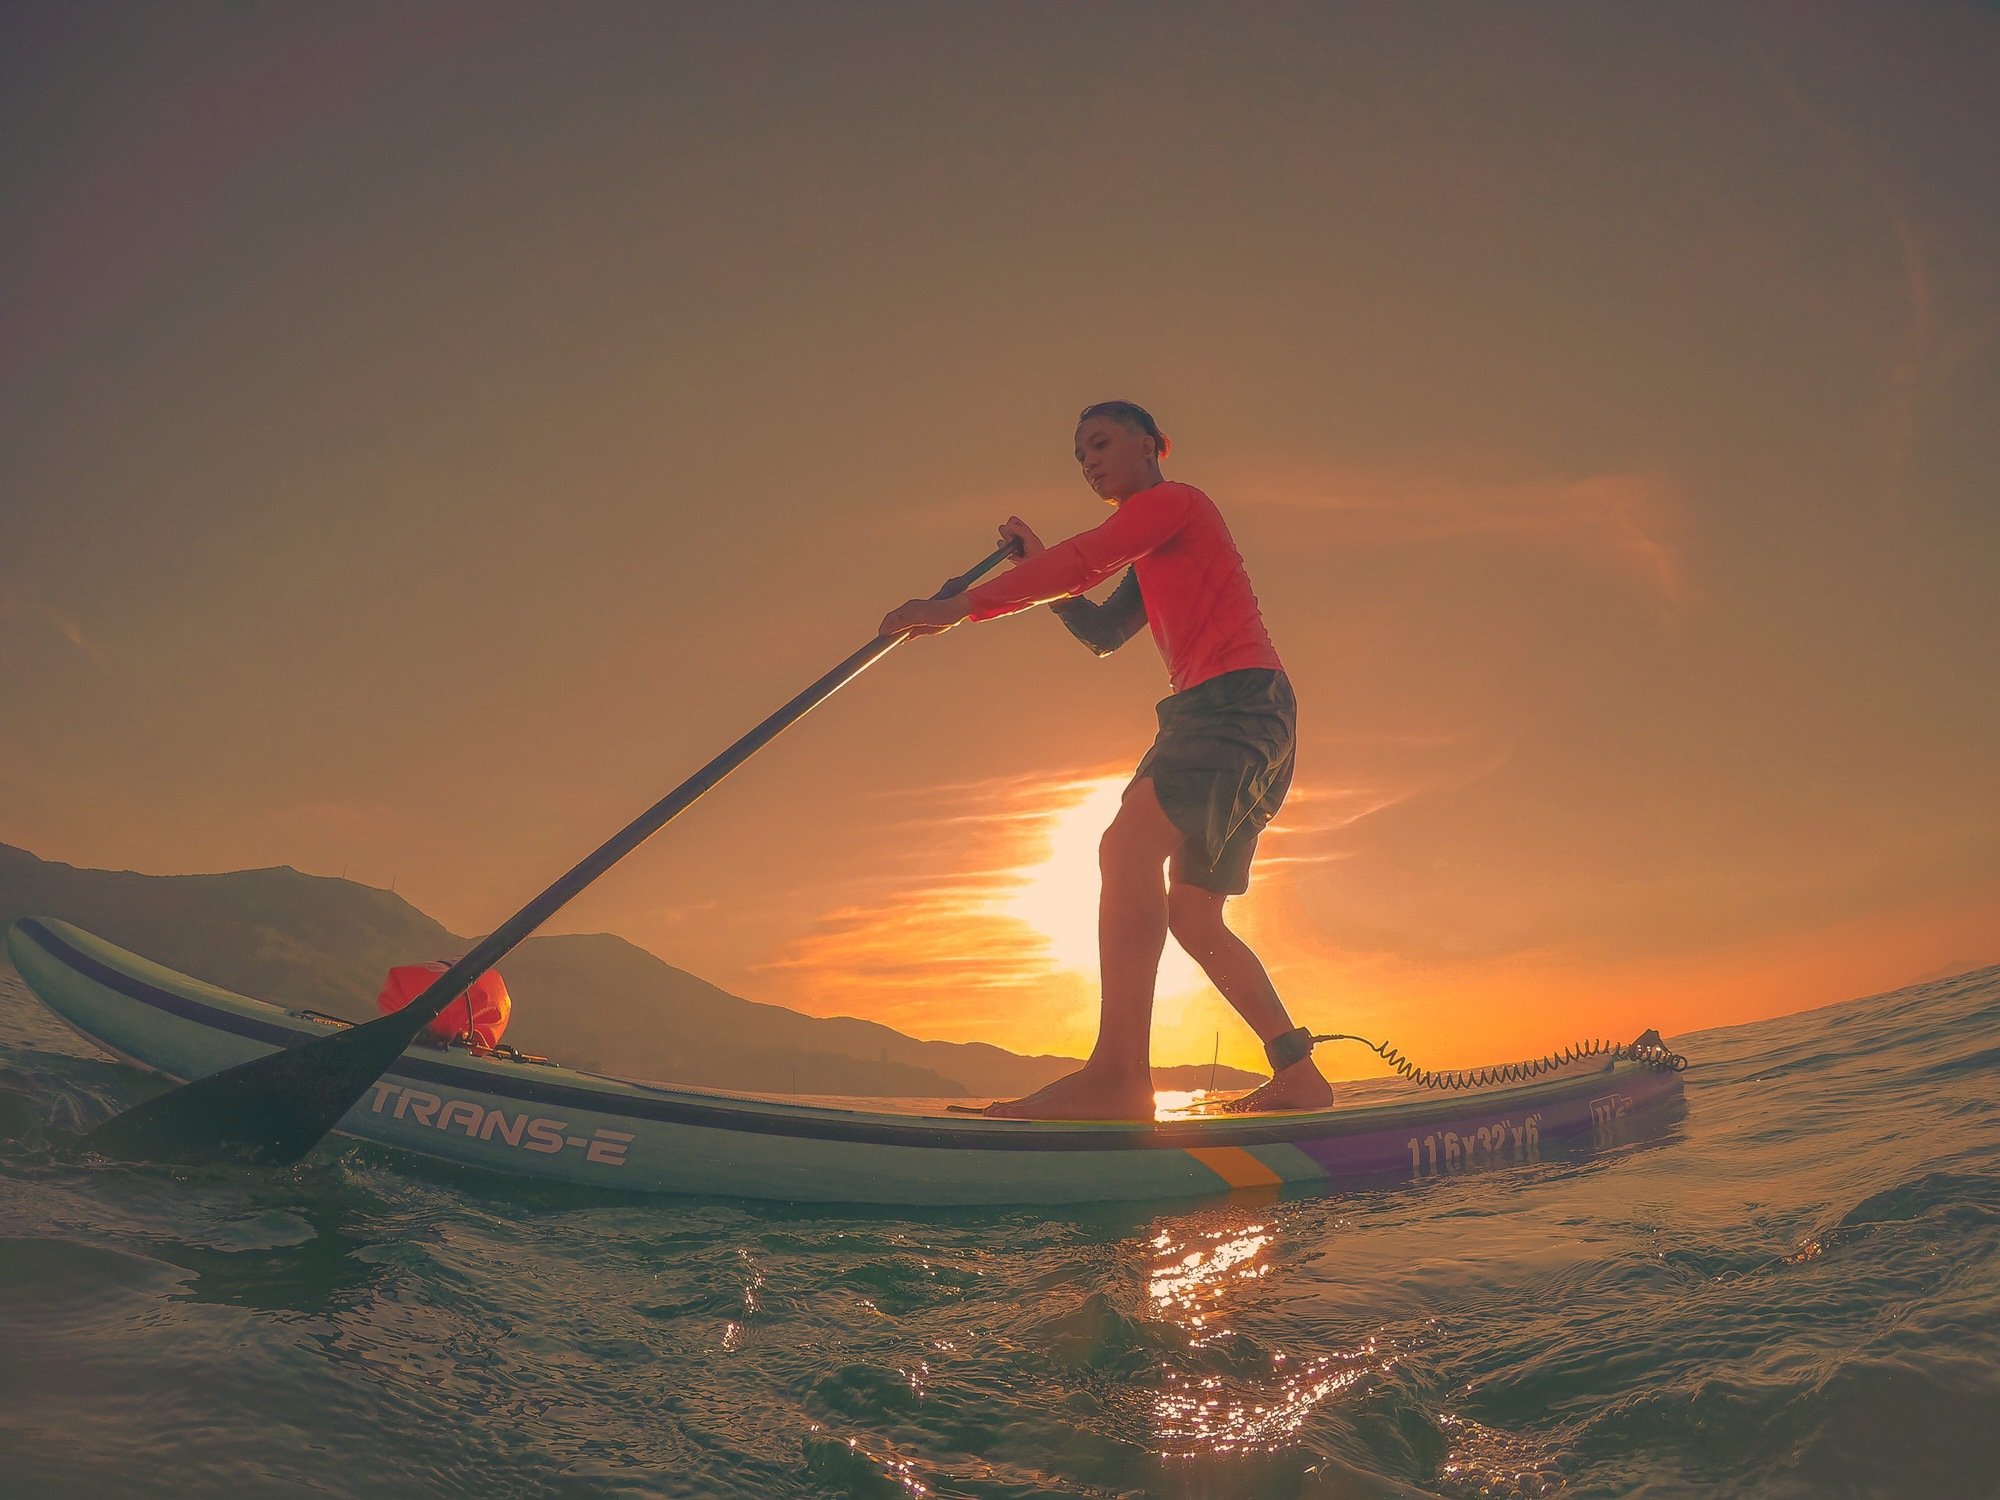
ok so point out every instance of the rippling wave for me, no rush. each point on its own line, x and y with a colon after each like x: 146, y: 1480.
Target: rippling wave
x: 1792, y: 1291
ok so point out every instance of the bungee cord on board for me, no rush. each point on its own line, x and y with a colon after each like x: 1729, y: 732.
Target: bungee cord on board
x: 1649, y: 1049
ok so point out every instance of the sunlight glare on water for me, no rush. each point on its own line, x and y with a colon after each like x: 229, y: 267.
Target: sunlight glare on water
x: 1191, y: 1282
x: 1241, y: 1406
x: 1171, y: 1103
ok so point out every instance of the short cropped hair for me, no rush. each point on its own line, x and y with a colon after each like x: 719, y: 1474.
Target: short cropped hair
x: 1133, y: 415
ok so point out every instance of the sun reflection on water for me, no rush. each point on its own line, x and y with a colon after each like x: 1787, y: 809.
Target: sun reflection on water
x: 1173, y: 1104
x: 1206, y: 1417
x: 1190, y: 1283
x: 1210, y: 1411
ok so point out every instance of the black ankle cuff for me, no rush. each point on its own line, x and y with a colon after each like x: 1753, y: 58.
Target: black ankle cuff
x: 1288, y: 1047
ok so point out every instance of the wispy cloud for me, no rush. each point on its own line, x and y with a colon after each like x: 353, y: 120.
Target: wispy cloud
x: 932, y: 946
x: 18, y: 605
x: 1366, y: 775
x: 1630, y: 523
x: 1933, y: 346
x: 988, y: 930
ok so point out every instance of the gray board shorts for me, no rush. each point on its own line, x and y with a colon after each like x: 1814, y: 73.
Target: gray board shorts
x: 1221, y: 765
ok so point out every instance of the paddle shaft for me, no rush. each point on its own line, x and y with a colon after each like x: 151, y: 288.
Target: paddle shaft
x: 449, y: 985
x: 276, y: 1108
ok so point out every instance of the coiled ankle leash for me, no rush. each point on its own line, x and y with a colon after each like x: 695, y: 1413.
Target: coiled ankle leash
x: 1296, y: 1045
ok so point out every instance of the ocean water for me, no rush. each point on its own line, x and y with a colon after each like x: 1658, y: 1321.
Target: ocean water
x: 1791, y: 1289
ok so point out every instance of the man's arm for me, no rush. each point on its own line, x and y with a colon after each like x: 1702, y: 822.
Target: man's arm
x: 1107, y: 626
x: 1140, y: 525
x: 1063, y: 571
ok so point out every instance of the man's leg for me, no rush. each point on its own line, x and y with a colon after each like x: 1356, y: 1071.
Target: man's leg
x: 1196, y: 918
x: 1116, y: 1083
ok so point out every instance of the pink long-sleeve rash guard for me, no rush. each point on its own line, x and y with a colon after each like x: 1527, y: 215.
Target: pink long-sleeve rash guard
x: 1199, y: 604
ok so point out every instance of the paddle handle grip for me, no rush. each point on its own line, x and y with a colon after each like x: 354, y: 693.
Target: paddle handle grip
x: 449, y: 985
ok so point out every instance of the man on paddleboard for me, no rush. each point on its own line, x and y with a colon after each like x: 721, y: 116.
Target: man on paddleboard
x: 1215, y: 775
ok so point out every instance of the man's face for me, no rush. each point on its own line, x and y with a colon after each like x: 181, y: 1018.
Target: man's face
x: 1117, y: 460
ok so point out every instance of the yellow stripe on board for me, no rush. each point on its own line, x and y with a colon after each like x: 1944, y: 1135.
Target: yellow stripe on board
x: 1235, y: 1166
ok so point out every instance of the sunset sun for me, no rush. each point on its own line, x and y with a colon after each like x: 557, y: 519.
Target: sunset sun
x: 1057, y: 893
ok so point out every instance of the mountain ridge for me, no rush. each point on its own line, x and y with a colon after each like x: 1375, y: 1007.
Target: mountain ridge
x: 593, y: 1000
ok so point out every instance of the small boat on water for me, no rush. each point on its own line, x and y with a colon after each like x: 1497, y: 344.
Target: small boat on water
x: 525, y: 1117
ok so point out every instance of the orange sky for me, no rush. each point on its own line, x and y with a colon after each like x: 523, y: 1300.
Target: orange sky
x: 430, y: 433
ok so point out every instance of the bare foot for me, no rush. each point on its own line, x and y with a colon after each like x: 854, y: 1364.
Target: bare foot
x: 1087, y: 1094
x: 1299, y: 1087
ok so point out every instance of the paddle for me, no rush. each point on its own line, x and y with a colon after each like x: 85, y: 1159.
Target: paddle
x: 273, y: 1110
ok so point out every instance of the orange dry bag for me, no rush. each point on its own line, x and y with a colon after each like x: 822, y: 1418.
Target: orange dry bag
x: 481, y: 1011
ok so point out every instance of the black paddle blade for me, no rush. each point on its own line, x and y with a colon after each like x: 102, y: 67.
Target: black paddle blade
x: 269, y: 1111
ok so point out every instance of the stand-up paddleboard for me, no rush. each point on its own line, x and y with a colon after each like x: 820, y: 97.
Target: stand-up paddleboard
x: 534, y: 1119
